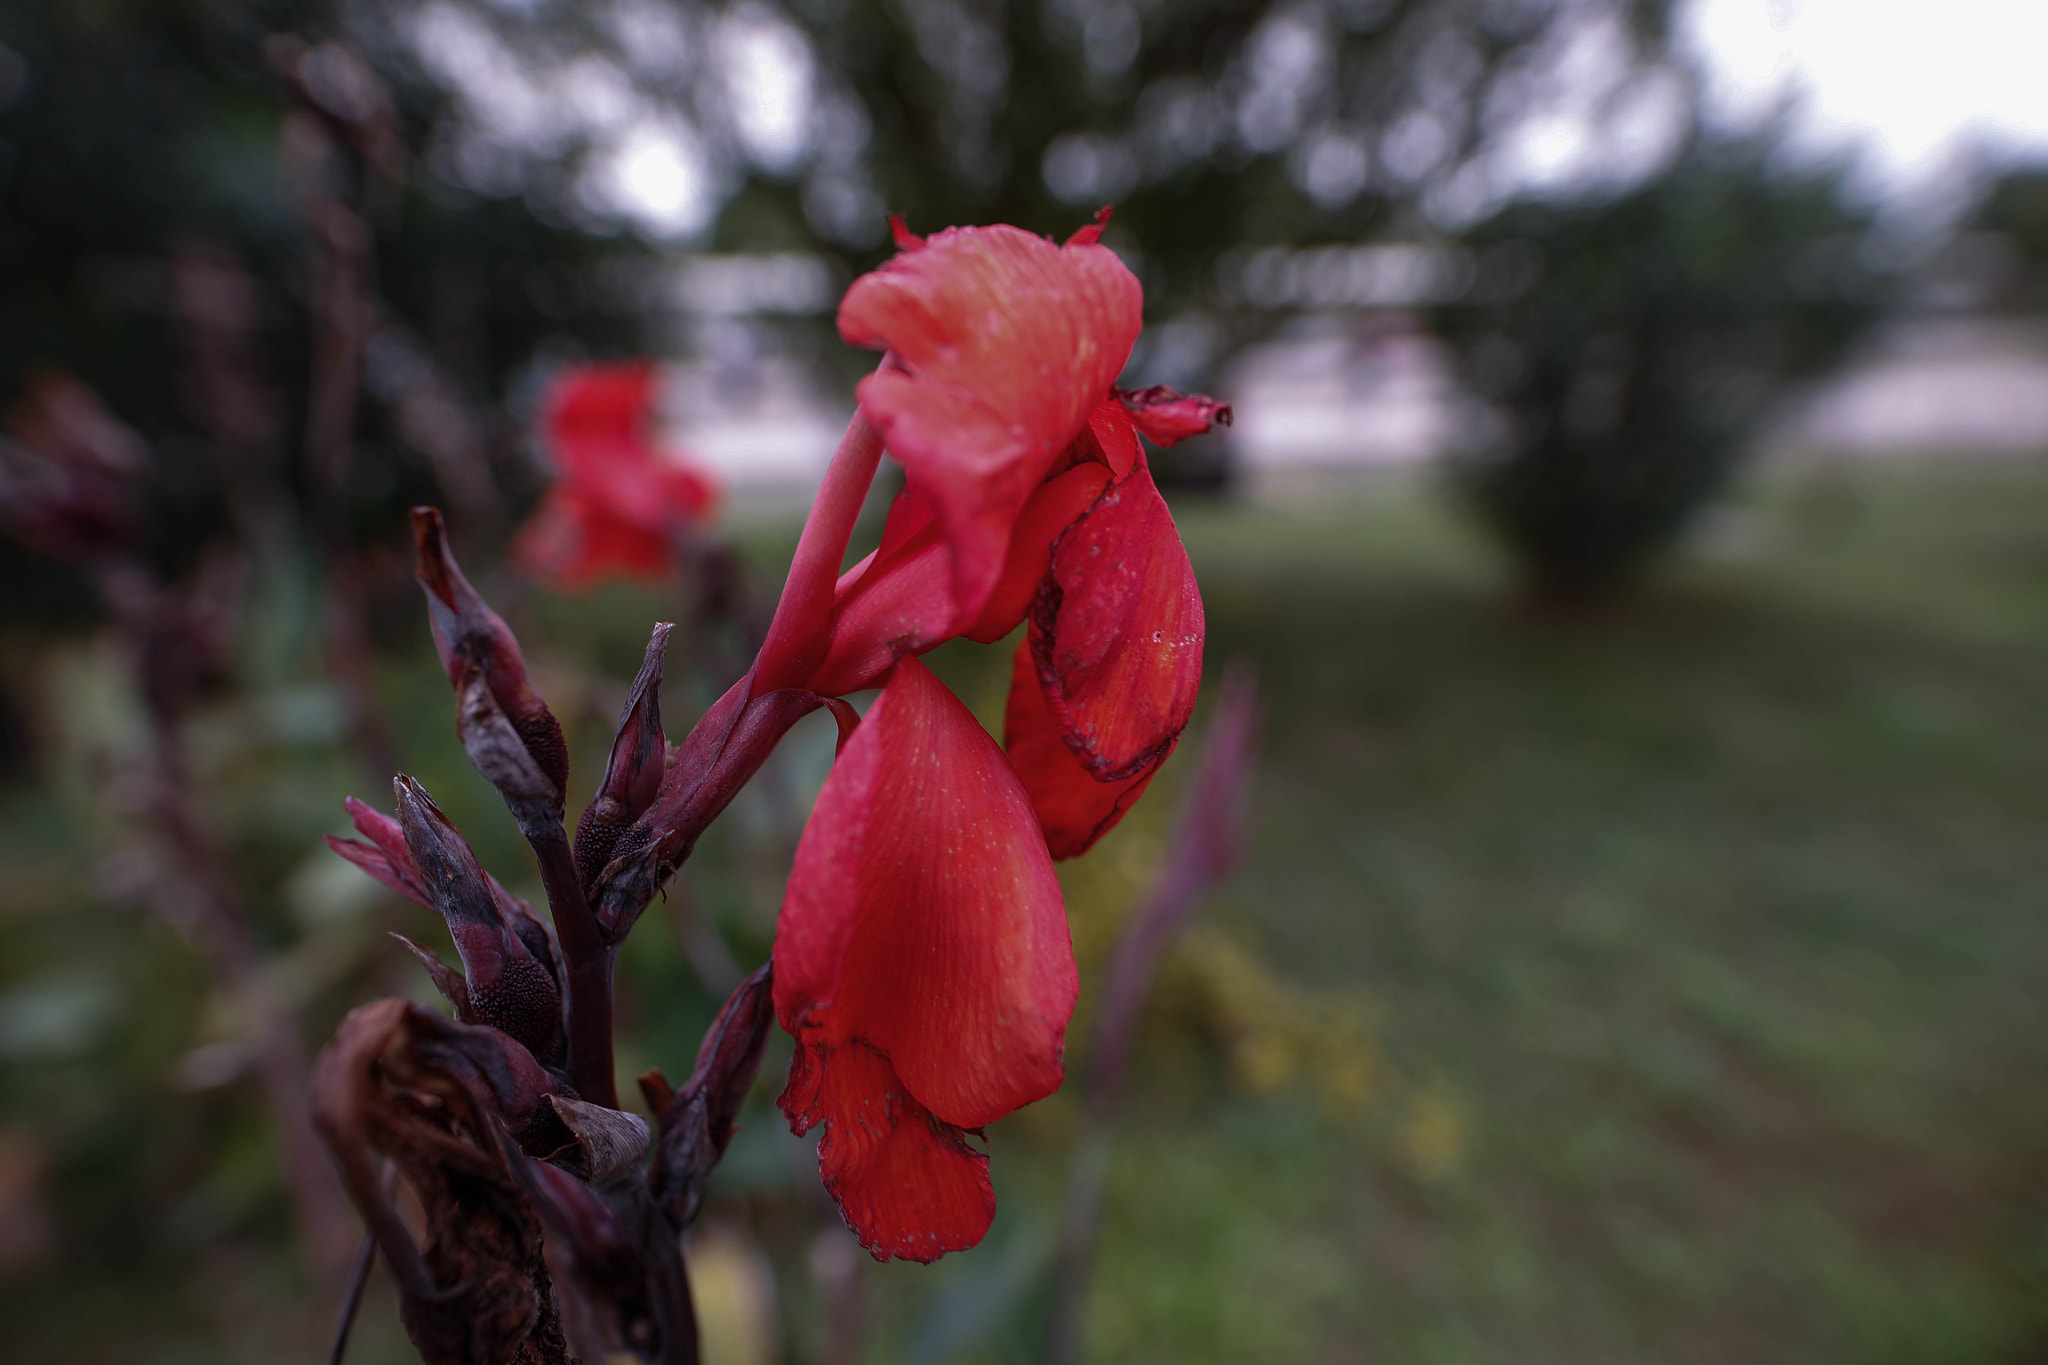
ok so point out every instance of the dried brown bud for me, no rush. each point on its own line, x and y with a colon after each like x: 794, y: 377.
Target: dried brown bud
x: 433, y: 1096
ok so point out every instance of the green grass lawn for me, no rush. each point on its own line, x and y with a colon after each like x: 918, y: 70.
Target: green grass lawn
x: 1667, y: 986
x: 1702, y: 948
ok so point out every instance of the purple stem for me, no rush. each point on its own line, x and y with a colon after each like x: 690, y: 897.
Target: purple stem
x: 588, y: 960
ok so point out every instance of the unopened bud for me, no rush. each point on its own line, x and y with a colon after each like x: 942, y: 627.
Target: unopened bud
x: 725, y: 749
x: 639, y: 755
x: 508, y: 731
x: 385, y: 857
x: 698, y: 1121
x: 510, y: 988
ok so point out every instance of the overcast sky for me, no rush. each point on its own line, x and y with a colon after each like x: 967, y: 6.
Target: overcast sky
x: 1912, y: 81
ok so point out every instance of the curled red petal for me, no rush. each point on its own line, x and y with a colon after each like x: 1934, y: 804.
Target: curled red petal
x: 1117, y: 632
x: 1092, y: 232
x: 1052, y: 509
x: 1074, y: 808
x: 1167, y: 415
x: 1110, y: 428
x: 899, y: 600
x: 1008, y: 343
x: 923, y: 916
x: 907, y: 1184
x: 900, y: 233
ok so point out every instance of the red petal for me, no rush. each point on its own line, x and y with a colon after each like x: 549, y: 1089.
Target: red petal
x: 598, y: 402
x: 923, y: 916
x: 1117, y: 632
x: 1092, y: 232
x: 1010, y: 342
x: 1167, y: 415
x: 906, y: 1183
x: 1052, y: 509
x: 897, y: 601
x: 1074, y: 809
x: 688, y: 494
x: 900, y: 233
x: 1111, y: 427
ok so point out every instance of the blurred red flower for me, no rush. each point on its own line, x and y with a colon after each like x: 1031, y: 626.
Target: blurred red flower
x: 923, y: 962
x: 618, y: 502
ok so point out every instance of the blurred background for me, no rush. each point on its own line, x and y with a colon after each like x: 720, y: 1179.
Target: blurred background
x: 1637, y: 510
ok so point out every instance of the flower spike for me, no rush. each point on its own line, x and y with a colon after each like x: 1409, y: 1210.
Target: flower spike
x: 620, y: 501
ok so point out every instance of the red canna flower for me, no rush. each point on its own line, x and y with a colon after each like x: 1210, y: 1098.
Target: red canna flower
x: 619, y: 501
x: 923, y: 963
x: 1027, y: 490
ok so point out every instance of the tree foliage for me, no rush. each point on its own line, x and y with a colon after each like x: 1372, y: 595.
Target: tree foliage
x: 1629, y: 349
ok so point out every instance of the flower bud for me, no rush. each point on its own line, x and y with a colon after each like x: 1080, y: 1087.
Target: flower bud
x: 508, y: 731
x: 511, y: 988
x: 697, y: 1122
x: 639, y: 755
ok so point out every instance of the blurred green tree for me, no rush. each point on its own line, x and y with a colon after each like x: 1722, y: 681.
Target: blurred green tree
x: 162, y: 168
x: 1626, y: 350
x: 2014, y: 211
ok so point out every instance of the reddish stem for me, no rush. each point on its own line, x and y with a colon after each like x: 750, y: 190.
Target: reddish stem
x: 802, y: 629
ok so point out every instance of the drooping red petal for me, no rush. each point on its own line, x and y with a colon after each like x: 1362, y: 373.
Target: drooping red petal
x: 923, y: 916
x: 1117, y: 632
x: 1167, y: 415
x: 1074, y: 808
x: 908, y: 1184
x: 1009, y: 343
